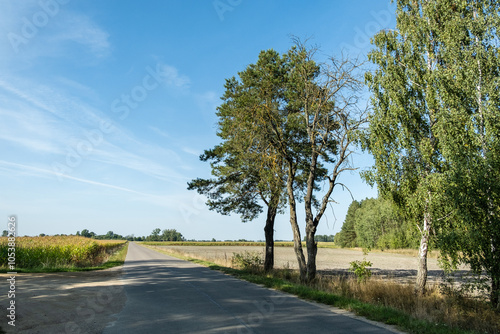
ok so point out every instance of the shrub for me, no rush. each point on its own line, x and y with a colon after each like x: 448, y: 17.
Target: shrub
x: 359, y: 268
x: 247, y: 260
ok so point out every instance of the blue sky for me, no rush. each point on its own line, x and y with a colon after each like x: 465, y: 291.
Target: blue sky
x: 105, y: 106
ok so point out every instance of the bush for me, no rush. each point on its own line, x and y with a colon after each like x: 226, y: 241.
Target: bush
x: 247, y: 260
x: 359, y: 268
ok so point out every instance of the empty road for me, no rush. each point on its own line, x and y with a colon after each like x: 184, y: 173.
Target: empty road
x: 168, y: 295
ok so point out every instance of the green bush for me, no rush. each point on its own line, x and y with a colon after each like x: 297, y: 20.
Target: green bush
x: 359, y: 268
x: 247, y: 260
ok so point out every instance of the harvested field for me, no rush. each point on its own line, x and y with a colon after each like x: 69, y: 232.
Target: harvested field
x: 328, y: 261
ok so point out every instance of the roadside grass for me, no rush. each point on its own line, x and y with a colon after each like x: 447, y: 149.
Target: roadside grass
x: 437, y: 312
x: 112, y: 255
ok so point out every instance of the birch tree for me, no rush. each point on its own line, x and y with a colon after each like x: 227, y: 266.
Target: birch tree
x: 470, y: 137
x: 404, y: 122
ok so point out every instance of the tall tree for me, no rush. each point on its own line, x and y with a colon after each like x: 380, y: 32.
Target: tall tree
x: 247, y: 169
x: 311, y: 130
x: 434, y: 130
x: 404, y: 123
x: 470, y: 137
x: 325, y: 96
x: 291, y: 123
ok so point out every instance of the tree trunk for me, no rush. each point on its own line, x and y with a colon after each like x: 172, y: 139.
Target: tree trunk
x: 269, y: 233
x: 312, y: 249
x: 495, y: 291
x: 310, y: 227
x: 422, y: 255
x: 297, y: 243
x: 495, y: 267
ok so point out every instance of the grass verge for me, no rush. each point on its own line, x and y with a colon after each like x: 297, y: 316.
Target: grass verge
x: 117, y: 258
x: 387, y: 302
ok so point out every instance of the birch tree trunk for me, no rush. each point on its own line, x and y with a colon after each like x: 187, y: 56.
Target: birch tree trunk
x: 422, y: 255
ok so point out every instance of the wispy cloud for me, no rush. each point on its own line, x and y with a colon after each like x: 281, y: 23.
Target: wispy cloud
x: 80, y: 29
x: 172, y: 77
x: 55, y: 34
x: 159, y: 132
x: 191, y: 151
x: 61, y: 123
x: 45, y: 173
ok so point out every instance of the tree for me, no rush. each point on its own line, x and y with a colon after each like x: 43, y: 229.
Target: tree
x: 407, y: 116
x: 324, y: 238
x: 247, y: 169
x: 289, y: 123
x: 326, y: 100
x: 85, y: 233
x: 155, y: 235
x: 468, y: 83
x: 434, y: 130
x: 375, y: 223
x: 171, y: 235
x: 5, y: 233
x: 347, y: 235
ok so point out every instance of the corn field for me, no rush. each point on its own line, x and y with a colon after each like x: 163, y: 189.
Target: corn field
x: 57, y: 251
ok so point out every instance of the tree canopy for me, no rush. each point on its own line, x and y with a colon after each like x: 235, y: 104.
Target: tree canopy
x: 434, y: 127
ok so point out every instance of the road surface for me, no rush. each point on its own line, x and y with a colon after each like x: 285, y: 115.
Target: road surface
x: 168, y: 295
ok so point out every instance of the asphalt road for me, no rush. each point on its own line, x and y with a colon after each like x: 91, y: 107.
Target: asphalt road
x: 168, y: 295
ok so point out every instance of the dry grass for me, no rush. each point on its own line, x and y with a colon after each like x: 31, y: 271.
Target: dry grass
x: 437, y: 305
x: 452, y: 309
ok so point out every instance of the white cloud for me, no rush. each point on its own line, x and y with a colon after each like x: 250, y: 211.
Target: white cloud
x: 171, y: 76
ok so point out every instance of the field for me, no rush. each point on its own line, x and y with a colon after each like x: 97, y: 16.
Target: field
x: 398, y: 264
x: 55, y: 252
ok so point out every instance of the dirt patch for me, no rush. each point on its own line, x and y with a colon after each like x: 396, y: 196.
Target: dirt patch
x: 75, y: 302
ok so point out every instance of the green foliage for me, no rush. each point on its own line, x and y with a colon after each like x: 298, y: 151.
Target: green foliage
x: 246, y: 166
x: 359, y: 268
x: 323, y: 238
x: 247, y: 260
x: 165, y: 235
x: 347, y: 235
x: 376, y: 223
x: 435, y: 125
x: 171, y: 235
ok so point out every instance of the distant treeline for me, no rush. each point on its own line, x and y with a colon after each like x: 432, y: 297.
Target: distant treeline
x: 323, y: 238
x: 156, y: 235
x: 375, y: 223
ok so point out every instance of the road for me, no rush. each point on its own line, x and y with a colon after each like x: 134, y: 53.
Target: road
x: 168, y: 295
